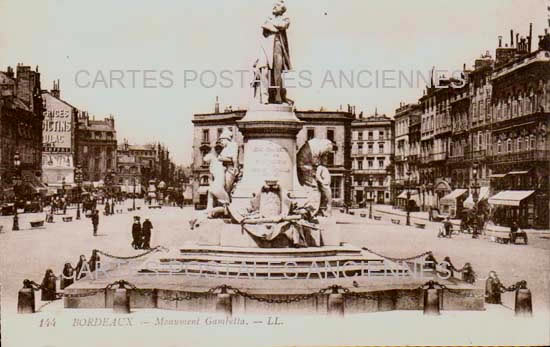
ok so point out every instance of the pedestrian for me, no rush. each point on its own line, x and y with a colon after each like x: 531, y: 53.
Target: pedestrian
x: 67, y: 277
x: 493, y: 289
x: 448, y: 227
x: 146, y: 233
x: 49, y: 286
x: 514, y: 228
x: 107, y: 208
x: 95, y: 221
x: 94, y: 260
x: 136, y: 233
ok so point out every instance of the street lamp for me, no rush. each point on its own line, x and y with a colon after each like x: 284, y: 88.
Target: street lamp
x: 408, y: 187
x: 370, y: 197
x: 475, y: 195
x: 134, y: 196
x: 16, y: 176
x: 78, y: 180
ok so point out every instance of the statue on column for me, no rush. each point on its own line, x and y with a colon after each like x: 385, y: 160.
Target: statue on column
x: 273, y: 58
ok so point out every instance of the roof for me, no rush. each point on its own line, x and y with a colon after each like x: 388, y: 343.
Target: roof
x: 454, y: 194
x: 96, y: 125
x: 510, y: 197
x: 403, y: 194
x: 59, y: 99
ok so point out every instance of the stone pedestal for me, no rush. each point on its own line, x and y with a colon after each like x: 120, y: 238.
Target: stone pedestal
x: 269, y: 150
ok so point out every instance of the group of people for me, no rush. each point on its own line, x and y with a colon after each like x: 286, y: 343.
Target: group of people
x: 69, y: 275
x: 141, y: 233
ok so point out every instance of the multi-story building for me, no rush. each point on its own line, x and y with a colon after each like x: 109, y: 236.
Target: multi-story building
x: 519, y: 150
x: 135, y: 163
x: 96, y: 147
x: 332, y: 125
x: 59, y: 140
x: 21, y: 116
x: 372, y: 156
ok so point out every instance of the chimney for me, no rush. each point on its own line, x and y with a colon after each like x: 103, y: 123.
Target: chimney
x: 499, y: 41
x: 217, y: 106
x: 511, y: 38
x: 530, y: 38
x: 10, y: 72
x: 56, y: 92
x: 517, y: 40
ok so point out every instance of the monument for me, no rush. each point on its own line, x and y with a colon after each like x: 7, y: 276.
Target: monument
x: 272, y: 221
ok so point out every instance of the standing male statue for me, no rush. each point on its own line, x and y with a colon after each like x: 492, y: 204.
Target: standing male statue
x: 273, y: 58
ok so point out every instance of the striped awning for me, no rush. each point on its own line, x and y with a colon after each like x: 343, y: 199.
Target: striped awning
x: 510, y: 197
x: 403, y: 194
x: 455, y: 194
x: 483, y: 194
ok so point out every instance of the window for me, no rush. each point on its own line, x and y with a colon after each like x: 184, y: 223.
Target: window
x: 526, y: 143
x: 205, y: 135
x: 85, y: 149
x: 330, y: 135
x: 335, y: 184
x: 380, y: 148
x: 381, y: 135
x: 360, y: 164
x: 381, y: 163
x: 360, y: 135
x: 381, y: 181
x: 499, y: 147
x: 532, y: 144
x: 220, y: 130
x: 370, y: 147
x: 519, y: 144
x: 310, y: 133
x: 371, y: 163
x: 370, y: 135
x: 204, y: 180
x: 509, y: 146
x: 360, y: 147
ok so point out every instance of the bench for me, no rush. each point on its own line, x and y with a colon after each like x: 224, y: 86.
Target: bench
x: 37, y: 224
x: 351, y: 213
x: 377, y: 217
x: 67, y: 219
x: 152, y: 206
x: 420, y: 225
x: 396, y: 221
x: 504, y: 237
x: 342, y: 210
x: 437, y: 217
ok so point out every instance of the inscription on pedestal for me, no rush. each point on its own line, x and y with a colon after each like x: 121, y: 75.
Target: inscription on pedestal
x: 266, y: 160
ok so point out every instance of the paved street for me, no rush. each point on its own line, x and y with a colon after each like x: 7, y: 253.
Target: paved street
x: 28, y: 253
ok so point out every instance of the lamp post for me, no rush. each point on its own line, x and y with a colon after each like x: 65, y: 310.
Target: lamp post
x: 134, y: 196
x: 78, y: 180
x: 408, y: 187
x: 16, y: 176
x: 370, y: 197
x: 475, y: 196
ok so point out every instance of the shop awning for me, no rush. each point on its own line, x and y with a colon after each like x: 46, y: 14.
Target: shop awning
x: 517, y: 172
x: 403, y: 194
x: 452, y: 196
x: 483, y: 194
x: 497, y: 175
x: 510, y: 197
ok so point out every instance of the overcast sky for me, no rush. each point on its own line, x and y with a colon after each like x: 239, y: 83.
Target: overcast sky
x: 79, y: 42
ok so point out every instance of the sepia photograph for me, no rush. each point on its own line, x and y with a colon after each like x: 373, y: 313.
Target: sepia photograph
x: 274, y: 173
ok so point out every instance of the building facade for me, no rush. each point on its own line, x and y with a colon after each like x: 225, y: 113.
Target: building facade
x: 372, y: 150
x: 59, y: 140
x: 96, y: 147
x: 335, y: 126
x: 21, y: 117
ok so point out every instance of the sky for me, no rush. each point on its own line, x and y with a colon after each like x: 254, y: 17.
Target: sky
x: 155, y: 49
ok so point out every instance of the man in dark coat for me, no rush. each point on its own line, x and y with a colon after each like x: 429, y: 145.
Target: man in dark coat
x: 136, y: 234
x: 493, y: 289
x: 95, y: 221
x: 146, y: 233
x: 49, y: 286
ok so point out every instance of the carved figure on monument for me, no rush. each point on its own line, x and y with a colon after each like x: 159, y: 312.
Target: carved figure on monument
x: 322, y: 175
x: 273, y: 58
x: 229, y: 157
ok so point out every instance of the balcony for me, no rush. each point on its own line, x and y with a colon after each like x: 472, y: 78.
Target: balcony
x: 413, y: 159
x: 400, y: 158
x: 455, y: 159
x: 477, y: 155
x: 534, y: 155
x: 370, y: 171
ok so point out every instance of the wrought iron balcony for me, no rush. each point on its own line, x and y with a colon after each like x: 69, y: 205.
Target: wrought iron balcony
x: 532, y: 155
